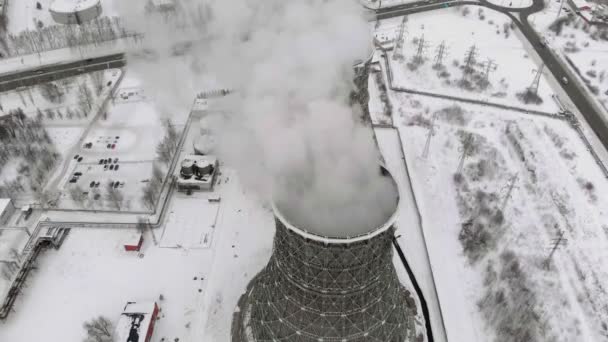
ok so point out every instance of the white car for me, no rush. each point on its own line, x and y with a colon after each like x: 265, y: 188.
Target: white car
x: 564, y: 80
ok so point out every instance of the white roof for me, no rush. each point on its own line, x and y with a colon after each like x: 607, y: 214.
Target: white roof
x: 72, y: 5
x: 133, y: 239
x: 4, y: 202
x: 134, y: 313
x: 11, y: 239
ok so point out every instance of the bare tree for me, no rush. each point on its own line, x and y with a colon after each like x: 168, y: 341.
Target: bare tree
x: 77, y: 195
x: 149, y: 196
x: 98, y: 329
x: 114, y: 196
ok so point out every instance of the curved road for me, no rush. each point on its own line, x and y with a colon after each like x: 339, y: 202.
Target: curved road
x: 578, y: 95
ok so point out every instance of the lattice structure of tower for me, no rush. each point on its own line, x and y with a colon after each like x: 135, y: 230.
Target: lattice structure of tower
x: 398, y: 53
x: 317, y: 288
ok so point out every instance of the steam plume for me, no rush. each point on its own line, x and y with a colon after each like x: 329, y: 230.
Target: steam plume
x: 290, y: 131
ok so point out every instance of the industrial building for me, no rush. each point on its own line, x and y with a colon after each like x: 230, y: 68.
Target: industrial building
x: 320, y: 288
x: 6, y: 210
x: 75, y: 11
x: 197, y: 173
x: 136, y: 323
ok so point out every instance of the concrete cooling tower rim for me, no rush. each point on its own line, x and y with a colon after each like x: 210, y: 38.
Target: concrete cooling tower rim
x: 347, y: 239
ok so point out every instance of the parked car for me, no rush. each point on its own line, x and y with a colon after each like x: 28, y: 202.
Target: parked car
x: 112, y: 183
x: 73, y: 180
x: 76, y: 156
x: 109, y: 160
x: 105, y: 168
x: 79, y: 159
x: 26, y: 211
x: 101, y: 161
x: 92, y: 184
x: 96, y: 197
x: 109, y: 145
x: 113, y: 146
x: 97, y: 184
x: 77, y: 173
x: 115, y: 160
x: 116, y: 185
x: 112, y: 167
x: 116, y: 167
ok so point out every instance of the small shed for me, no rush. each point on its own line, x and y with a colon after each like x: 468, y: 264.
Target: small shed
x: 136, y: 323
x: 133, y: 242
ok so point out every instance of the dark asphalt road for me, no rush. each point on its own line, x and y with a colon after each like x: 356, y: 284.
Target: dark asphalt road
x: 577, y: 94
x: 58, y: 71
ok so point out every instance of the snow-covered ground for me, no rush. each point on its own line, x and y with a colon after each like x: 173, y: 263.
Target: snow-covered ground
x: 491, y: 244
x: 127, y: 134
x: 557, y: 190
x: 511, y: 3
x: 498, y: 53
x: 200, y: 286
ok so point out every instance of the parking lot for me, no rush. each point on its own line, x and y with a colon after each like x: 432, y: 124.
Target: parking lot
x: 93, y: 179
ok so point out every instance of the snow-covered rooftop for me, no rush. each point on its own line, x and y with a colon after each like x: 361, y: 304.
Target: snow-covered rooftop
x: 136, y: 316
x: 201, y: 162
x: 72, y: 5
x: 11, y: 240
x: 4, y: 203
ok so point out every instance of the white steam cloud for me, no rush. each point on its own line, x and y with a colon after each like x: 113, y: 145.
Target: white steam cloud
x: 290, y: 131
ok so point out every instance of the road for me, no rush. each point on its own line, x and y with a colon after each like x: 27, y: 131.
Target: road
x: 578, y: 95
x: 57, y: 71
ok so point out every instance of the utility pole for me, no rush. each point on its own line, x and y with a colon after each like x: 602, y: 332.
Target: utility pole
x: 430, y: 134
x: 420, y: 50
x: 398, y: 53
x: 512, y: 182
x: 466, y: 150
x: 557, y: 242
x: 469, y: 61
x: 533, y: 88
x: 440, y: 53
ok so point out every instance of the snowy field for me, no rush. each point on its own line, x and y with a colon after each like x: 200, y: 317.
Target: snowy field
x: 499, y: 71
x: 511, y: 3
x: 126, y: 136
x: 557, y: 191
x: 199, y: 287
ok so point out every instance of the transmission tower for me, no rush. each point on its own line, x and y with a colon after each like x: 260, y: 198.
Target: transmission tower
x: 533, y: 88
x: 398, y: 53
x: 469, y: 61
x: 512, y: 182
x: 440, y: 54
x: 420, y: 50
x: 467, y: 144
x: 489, y: 66
x: 430, y: 134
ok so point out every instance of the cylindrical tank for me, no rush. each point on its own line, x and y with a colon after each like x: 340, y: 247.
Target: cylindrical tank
x: 75, y: 11
x: 318, y: 288
x: 186, y: 168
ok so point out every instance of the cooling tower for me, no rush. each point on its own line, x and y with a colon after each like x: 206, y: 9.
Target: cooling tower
x: 327, y: 288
